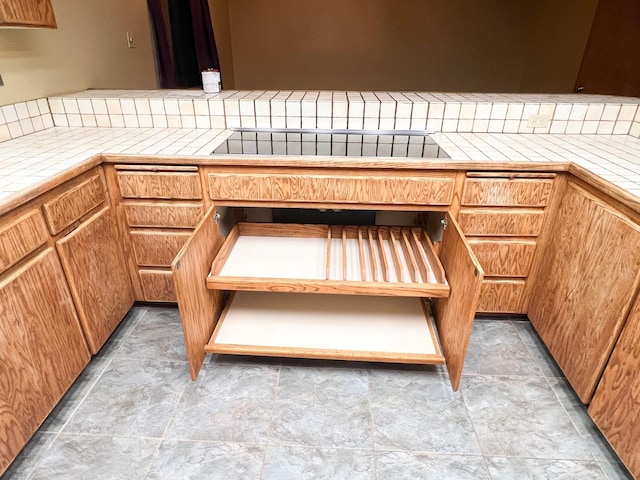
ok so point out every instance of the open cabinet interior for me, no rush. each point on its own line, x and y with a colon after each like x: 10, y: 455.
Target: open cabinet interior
x: 353, y: 285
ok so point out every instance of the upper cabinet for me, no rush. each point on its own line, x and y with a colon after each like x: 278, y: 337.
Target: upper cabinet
x: 27, y: 13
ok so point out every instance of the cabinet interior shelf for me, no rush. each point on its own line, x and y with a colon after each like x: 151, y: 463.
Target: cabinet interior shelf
x: 369, y: 260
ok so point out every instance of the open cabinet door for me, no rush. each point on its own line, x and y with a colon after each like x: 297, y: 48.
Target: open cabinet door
x: 454, y: 314
x: 199, y: 307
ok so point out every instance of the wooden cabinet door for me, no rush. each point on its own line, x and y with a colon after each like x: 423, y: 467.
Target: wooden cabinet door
x: 199, y: 307
x: 42, y: 350
x: 94, y: 263
x: 27, y: 13
x: 454, y: 314
x: 585, y: 286
x: 615, y: 405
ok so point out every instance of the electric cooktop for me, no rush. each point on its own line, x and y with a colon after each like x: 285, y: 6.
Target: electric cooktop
x: 342, y: 143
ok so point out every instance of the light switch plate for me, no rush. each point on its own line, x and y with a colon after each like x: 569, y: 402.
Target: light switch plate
x: 538, y: 121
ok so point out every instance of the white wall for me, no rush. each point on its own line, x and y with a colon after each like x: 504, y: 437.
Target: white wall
x: 87, y: 50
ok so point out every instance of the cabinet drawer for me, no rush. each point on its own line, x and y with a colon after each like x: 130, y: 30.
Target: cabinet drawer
x: 162, y: 185
x: 177, y: 215
x: 20, y: 237
x: 65, y: 209
x: 157, y: 249
x: 504, y: 258
x: 491, y: 221
x: 525, y: 192
x: 373, y: 188
x: 157, y: 285
x: 501, y: 296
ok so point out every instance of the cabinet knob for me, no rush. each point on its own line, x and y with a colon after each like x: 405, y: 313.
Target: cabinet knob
x: 580, y: 89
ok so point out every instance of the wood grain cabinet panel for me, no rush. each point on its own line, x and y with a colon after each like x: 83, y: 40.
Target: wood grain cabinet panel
x: 42, y: 349
x: 519, y: 222
x: 359, y: 187
x: 170, y: 215
x: 157, y: 285
x: 616, y: 404
x: 160, y: 185
x: 524, y: 192
x: 27, y: 13
x: 21, y: 236
x: 501, y: 295
x: 75, y: 202
x: 98, y: 277
x: 157, y: 248
x: 585, y: 286
x: 504, y: 258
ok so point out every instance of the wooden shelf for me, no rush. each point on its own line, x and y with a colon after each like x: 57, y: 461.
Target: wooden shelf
x: 379, y: 329
x: 329, y: 259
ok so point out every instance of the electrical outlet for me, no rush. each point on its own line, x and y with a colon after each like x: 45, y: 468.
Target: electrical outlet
x: 131, y: 40
x: 538, y: 121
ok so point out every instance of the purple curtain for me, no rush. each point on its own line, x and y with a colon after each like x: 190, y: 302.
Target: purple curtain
x: 192, y: 36
x: 165, y: 64
x: 203, y: 35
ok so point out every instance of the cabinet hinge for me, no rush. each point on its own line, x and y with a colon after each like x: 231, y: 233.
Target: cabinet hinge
x: 216, y: 218
x: 444, y: 222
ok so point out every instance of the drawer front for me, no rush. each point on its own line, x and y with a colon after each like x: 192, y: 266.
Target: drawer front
x: 525, y: 192
x: 501, y: 296
x: 162, y: 185
x: 20, y: 237
x: 157, y: 285
x: 65, y: 209
x: 157, y: 249
x: 513, y: 222
x: 373, y: 189
x: 504, y: 258
x: 177, y: 215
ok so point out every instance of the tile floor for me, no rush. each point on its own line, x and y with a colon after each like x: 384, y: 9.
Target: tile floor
x: 134, y: 413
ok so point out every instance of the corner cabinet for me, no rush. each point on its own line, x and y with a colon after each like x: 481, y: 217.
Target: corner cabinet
x: 294, y: 268
x: 27, y: 13
x: 585, y: 286
x: 615, y: 405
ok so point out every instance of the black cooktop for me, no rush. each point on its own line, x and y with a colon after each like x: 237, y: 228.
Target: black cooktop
x: 342, y: 143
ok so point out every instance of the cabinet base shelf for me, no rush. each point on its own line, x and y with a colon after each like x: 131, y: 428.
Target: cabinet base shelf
x: 380, y: 329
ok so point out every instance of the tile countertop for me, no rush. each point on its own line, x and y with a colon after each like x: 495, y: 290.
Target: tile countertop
x: 34, y: 159
x: 599, y: 133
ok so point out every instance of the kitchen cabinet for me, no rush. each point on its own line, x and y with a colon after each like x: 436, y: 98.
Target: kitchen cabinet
x: 585, y: 285
x: 27, y: 13
x: 97, y: 274
x: 42, y: 348
x: 502, y: 214
x: 160, y: 206
x: 347, y: 261
x: 615, y: 405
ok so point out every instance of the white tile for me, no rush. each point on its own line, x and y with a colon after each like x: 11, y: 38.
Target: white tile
x: 594, y: 111
x: 131, y: 121
x: 627, y: 112
x: 605, y: 127
x: 88, y: 120
x: 188, y: 121
x: 4, y: 133
x: 218, y: 122
x: 635, y: 130
x: 43, y: 105
x: 610, y: 112
x: 159, y: 121
x: 32, y: 108
x: 340, y: 109
x: 156, y: 105
x: 117, y: 120
x: 278, y: 108
x: 589, y: 127
x: 450, y: 124
x: 15, y: 130
x: 75, y: 120
x: 247, y: 121
x: 27, y: 126
x: 10, y: 114
x: 324, y: 123
x: 511, y: 126
x: 465, y: 125
x: 70, y: 105
x: 171, y: 106
x: 56, y: 105
x: 293, y: 121
x: 578, y: 111
x: 113, y: 106
x: 185, y: 107
x: 263, y: 122
x: 128, y: 106
x: 309, y: 108
x: 563, y: 111
x: 174, y: 121
x: 468, y: 111
x: 531, y: 109
x: 371, y: 123
x: 278, y: 122
x: 38, y: 124
x: 481, y: 125
x: 402, y: 123
x: 433, y: 124
x: 247, y: 108
x: 47, y: 120
x: 202, y: 121
x: 621, y: 127
x: 573, y: 127
x: 387, y: 123
x: 514, y: 111
x: 496, y: 126
x: 60, y: 120
x: 499, y: 111
x: 262, y: 108
x: 293, y: 108
x: 371, y: 108
x: 483, y: 111
x: 403, y: 110
x: 143, y: 106
x: 523, y: 128
x: 325, y: 109
x: 418, y: 123
x: 216, y: 106
x: 451, y: 112
x: 309, y: 122
x: 102, y: 120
